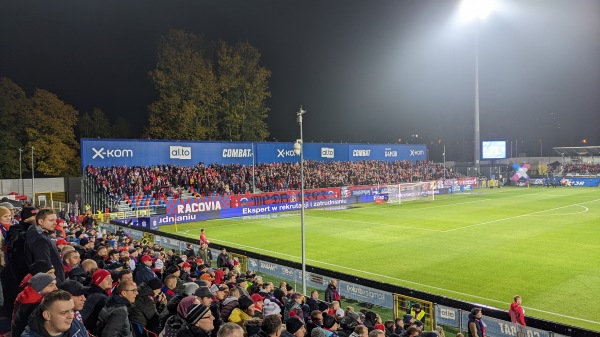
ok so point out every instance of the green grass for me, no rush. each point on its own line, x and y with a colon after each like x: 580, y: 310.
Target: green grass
x: 483, y: 247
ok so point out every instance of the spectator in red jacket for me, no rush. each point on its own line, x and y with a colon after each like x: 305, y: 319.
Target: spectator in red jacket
x: 516, y: 312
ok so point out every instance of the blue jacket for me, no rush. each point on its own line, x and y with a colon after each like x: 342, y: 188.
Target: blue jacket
x: 143, y: 273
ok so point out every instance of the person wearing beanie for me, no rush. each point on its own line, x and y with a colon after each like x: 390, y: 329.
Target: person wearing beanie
x: 177, y: 318
x: 5, y: 223
x: 36, y: 268
x: 318, y: 332
x: 270, y: 308
x: 40, y: 246
x: 96, y: 296
x: 244, y: 312
x: 330, y: 326
x: 199, y: 322
x: 29, y: 299
x: 149, y: 303
x: 294, y: 327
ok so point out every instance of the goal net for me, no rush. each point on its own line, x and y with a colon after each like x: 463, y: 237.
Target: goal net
x: 399, y: 193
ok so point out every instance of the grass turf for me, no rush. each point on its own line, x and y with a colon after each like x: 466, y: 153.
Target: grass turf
x: 482, y: 247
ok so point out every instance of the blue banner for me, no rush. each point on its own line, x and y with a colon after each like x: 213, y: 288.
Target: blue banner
x: 366, y: 294
x: 587, y: 182
x: 497, y: 327
x: 128, y: 152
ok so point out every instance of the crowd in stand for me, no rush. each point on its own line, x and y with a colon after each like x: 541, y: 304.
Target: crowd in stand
x: 64, y: 278
x: 581, y: 169
x: 165, y: 181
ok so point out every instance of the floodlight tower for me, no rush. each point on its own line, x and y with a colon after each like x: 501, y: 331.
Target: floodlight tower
x: 299, y: 149
x: 478, y: 10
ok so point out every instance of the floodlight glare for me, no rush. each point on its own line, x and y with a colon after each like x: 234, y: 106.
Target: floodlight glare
x: 480, y: 9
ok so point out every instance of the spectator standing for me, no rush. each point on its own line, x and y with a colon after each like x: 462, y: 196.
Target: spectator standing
x: 331, y: 293
x: 476, y: 325
x: 29, y: 299
x: 223, y: 259
x: 77, y: 292
x: 416, y: 312
x: 53, y: 317
x: 203, y: 238
x: 113, y: 320
x: 516, y: 311
x: 40, y: 247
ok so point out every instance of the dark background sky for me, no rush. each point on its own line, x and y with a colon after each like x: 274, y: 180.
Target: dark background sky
x: 366, y: 71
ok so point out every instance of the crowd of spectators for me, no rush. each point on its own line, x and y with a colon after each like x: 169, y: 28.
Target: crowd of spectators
x: 65, y: 278
x: 164, y: 181
x: 592, y: 169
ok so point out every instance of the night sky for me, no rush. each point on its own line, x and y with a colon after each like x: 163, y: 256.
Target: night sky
x: 367, y: 71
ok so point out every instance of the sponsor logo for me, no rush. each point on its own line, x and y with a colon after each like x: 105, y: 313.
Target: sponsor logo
x: 237, y: 153
x: 448, y: 313
x: 390, y: 153
x: 118, y: 153
x: 282, y: 153
x: 287, y: 271
x: 179, y: 218
x: 252, y: 263
x: 327, y: 152
x: 180, y: 152
x: 364, y: 292
x: 196, y: 207
x: 577, y: 183
x: 520, y: 172
x: 417, y: 153
x: 361, y: 153
x: 267, y: 266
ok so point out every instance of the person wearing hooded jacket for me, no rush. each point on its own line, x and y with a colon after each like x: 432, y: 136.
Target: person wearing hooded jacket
x: 29, y: 299
x: 96, y: 298
x: 53, y: 318
x: 148, y: 303
x: 230, y: 303
x: 516, y: 312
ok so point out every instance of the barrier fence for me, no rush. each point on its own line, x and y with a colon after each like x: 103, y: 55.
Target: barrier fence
x: 439, y: 310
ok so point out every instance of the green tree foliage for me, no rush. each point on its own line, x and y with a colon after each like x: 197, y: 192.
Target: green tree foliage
x: 207, y: 91
x: 243, y: 85
x: 13, y: 105
x: 121, y: 128
x: 49, y: 125
x: 94, y: 125
x: 188, y: 96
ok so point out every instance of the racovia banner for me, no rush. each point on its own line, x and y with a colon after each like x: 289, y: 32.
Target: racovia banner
x: 128, y: 152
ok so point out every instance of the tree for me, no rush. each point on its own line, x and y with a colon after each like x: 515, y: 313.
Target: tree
x: 121, y: 128
x: 188, y: 96
x: 13, y: 105
x: 243, y: 85
x: 49, y: 125
x: 94, y: 125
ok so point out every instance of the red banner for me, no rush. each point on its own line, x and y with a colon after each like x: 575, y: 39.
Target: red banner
x: 283, y: 197
x: 467, y: 181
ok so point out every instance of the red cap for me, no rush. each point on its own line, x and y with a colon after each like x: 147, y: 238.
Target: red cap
x: 257, y: 298
x: 147, y: 258
x: 199, y: 261
x: 186, y: 265
x: 61, y: 242
x: 99, y: 276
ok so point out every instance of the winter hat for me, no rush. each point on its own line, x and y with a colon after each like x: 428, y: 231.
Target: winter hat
x: 28, y: 212
x: 7, y: 204
x: 245, y: 302
x: 431, y: 334
x: 406, y: 318
x: 195, y: 312
x: 184, y: 305
x: 190, y: 288
x: 204, y: 292
x: 293, y: 324
x: 40, y: 266
x: 99, y: 276
x: 155, y: 283
x: 328, y: 321
x: 40, y: 281
x: 317, y: 332
x: 73, y: 287
x: 270, y: 308
x: 4, y: 211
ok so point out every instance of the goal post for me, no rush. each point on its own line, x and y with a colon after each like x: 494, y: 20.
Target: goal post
x: 399, y: 193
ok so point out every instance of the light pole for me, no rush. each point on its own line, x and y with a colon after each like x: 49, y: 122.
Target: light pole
x: 21, y: 171
x: 479, y: 10
x: 541, y: 148
x: 299, y: 149
x: 32, y: 180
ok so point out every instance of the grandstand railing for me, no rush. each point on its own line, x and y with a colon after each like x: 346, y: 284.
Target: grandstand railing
x: 446, y: 311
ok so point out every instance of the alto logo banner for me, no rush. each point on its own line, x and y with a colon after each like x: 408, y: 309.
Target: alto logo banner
x: 180, y: 152
x: 520, y: 172
x: 327, y: 152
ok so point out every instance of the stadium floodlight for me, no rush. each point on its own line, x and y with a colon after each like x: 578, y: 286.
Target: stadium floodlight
x: 298, y: 149
x: 476, y: 9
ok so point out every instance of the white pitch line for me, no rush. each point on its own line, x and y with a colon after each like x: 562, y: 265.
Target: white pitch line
x: 407, y: 281
x: 517, y: 216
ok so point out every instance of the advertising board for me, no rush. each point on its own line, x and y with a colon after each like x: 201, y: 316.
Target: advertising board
x: 283, y: 197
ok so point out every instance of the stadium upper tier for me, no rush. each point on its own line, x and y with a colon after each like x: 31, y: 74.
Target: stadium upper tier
x: 153, y: 185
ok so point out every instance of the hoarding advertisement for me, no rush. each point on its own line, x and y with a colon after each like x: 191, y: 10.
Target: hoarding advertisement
x: 283, y: 197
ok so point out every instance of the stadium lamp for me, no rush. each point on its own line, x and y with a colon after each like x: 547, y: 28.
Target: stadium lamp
x: 476, y: 9
x: 298, y: 149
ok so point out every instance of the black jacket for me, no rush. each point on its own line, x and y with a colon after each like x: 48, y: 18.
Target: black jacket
x: 144, y: 311
x: 113, y: 319
x: 191, y: 331
x: 40, y: 247
x: 95, y: 299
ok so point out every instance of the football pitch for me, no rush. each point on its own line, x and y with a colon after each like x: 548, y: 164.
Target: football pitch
x: 482, y: 247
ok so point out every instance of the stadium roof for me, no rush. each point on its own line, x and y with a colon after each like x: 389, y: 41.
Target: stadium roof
x: 579, y: 151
